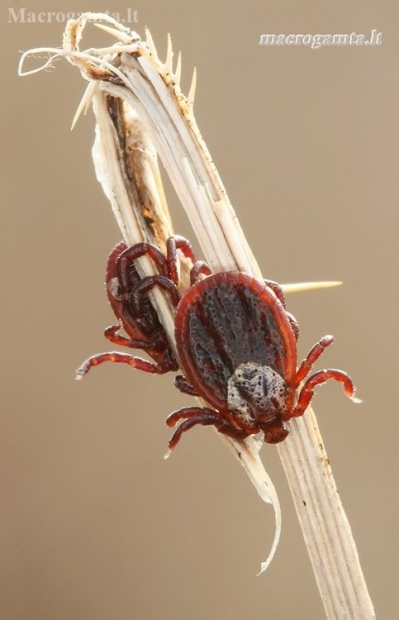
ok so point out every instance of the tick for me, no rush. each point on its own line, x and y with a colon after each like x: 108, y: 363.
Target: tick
x: 236, y: 345
x: 141, y: 325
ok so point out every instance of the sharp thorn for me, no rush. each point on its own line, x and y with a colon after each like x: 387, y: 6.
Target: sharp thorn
x: 178, y: 69
x: 150, y: 43
x: 85, y: 102
x: 308, y: 286
x: 169, y: 56
x: 191, y: 92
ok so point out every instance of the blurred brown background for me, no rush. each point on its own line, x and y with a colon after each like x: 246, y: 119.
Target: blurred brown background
x: 94, y: 524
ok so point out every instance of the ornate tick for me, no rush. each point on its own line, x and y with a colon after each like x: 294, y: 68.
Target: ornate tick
x: 141, y: 325
x: 236, y: 343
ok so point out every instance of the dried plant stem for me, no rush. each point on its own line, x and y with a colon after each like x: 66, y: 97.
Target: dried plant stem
x: 324, y: 523
x: 150, y: 88
x: 149, y: 220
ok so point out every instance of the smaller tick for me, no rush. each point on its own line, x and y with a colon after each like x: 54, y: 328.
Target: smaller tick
x: 136, y: 317
x: 236, y: 344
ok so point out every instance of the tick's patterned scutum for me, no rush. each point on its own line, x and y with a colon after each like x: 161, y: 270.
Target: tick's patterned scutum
x: 229, y: 323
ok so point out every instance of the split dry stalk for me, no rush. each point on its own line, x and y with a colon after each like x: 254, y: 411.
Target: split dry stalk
x: 141, y: 113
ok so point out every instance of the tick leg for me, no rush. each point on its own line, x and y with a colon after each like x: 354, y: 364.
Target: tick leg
x: 199, y: 268
x: 188, y: 412
x: 311, y: 358
x: 113, y: 335
x: 172, y: 245
x: 184, y: 386
x: 279, y: 293
x: 307, y: 391
x: 129, y: 255
x: 113, y: 259
x: 124, y: 358
x: 148, y: 283
x: 182, y: 244
x: 294, y: 324
x: 277, y: 290
x: 192, y: 416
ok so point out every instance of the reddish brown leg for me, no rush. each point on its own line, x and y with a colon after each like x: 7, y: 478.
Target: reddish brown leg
x: 123, y: 358
x: 311, y: 358
x: 307, y: 391
x: 167, y: 264
x: 279, y: 293
x: 146, y: 284
x: 199, y: 268
x: 183, y: 244
x: 172, y: 245
x: 112, y: 261
x: 136, y: 251
x: 184, y: 386
x: 277, y: 290
x: 113, y: 335
x: 294, y: 324
x: 192, y: 416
